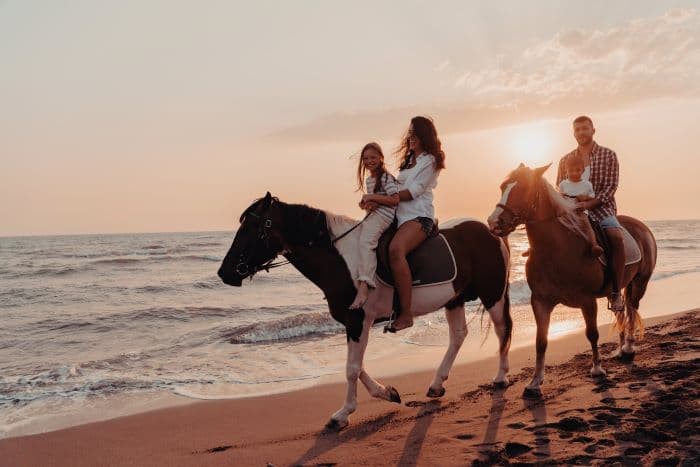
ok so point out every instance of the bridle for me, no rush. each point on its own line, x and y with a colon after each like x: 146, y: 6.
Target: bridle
x: 244, y: 267
x: 524, y: 216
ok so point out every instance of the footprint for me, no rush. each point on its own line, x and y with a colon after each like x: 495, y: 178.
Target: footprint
x: 517, y: 449
x: 605, y: 442
x: 516, y: 426
x: 219, y: 448
x: 465, y: 437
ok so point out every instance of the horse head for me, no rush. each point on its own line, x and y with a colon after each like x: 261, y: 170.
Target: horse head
x: 258, y: 241
x: 519, y: 192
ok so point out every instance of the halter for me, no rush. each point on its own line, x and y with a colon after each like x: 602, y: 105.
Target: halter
x: 243, y: 267
x: 525, y: 216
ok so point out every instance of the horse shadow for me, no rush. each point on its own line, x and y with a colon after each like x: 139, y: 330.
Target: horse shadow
x: 498, y: 404
x: 538, y: 409
x: 416, y: 438
x: 328, y: 440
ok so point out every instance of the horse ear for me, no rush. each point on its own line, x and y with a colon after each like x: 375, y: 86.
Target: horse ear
x: 267, y: 201
x: 540, y: 170
x: 521, y: 165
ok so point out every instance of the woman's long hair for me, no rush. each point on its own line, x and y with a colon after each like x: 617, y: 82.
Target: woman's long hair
x: 362, y: 170
x: 424, y: 130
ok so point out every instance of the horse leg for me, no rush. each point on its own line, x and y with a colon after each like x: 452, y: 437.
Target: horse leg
x: 500, y: 315
x: 542, y: 311
x: 458, y: 331
x: 590, y: 315
x: 628, y: 325
x: 377, y: 390
x: 356, y: 353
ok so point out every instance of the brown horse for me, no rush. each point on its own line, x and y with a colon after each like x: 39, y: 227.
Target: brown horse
x: 559, y: 270
x: 313, y: 242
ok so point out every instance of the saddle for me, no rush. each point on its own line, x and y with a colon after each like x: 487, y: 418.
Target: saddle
x: 431, y: 263
x: 632, y: 252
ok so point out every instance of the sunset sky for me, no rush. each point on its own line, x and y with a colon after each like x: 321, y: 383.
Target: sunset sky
x: 133, y: 116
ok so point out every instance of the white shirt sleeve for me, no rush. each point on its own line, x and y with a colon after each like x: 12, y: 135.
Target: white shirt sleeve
x: 390, y: 185
x: 589, y: 190
x: 426, y: 177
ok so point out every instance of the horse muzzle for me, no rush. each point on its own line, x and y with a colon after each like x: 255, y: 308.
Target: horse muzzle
x: 234, y: 280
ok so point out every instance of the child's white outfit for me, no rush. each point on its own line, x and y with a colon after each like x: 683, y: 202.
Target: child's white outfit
x: 574, y: 189
x: 581, y: 188
x: 373, y: 227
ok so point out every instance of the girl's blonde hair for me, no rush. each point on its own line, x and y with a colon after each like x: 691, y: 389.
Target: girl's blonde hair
x: 362, y: 170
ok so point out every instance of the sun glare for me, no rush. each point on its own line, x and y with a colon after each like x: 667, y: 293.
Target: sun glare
x: 531, y: 144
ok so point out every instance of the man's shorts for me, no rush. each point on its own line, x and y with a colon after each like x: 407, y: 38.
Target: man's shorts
x: 610, y: 222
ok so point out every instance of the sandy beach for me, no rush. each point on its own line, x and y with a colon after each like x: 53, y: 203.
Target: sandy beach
x: 645, y: 412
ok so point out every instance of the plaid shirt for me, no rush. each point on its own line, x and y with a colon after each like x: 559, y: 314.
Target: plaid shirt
x: 605, y: 174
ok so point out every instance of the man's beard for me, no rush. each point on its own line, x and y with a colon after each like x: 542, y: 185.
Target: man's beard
x: 584, y: 141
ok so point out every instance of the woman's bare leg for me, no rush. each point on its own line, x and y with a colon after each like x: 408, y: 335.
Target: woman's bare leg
x: 407, y: 239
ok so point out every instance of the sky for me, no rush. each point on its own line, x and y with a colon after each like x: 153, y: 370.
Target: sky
x: 156, y: 116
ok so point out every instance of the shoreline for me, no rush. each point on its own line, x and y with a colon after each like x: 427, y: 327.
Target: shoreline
x: 273, y: 428
x: 674, y: 293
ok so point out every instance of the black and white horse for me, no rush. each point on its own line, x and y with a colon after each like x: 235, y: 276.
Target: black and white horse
x: 305, y: 237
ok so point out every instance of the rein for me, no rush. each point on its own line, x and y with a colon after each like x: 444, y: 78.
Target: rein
x: 243, y: 268
x: 351, y: 228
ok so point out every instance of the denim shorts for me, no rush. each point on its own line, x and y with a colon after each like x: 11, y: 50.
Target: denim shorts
x: 610, y: 222
x: 426, y: 224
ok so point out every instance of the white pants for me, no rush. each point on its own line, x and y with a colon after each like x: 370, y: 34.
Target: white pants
x: 370, y: 231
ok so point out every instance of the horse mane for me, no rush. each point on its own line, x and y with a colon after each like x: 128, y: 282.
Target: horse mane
x: 564, y: 209
x: 303, y: 223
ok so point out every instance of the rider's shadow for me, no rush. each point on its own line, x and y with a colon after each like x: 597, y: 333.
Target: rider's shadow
x: 327, y: 440
x: 416, y: 438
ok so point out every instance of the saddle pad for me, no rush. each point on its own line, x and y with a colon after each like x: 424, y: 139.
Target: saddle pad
x: 632, y: 252
x: 431, y: 263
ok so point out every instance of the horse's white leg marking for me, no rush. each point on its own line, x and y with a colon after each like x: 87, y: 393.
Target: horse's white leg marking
x: 458, y: 331
x: 353, y: 369
x: 499, y: 323
x: 542, y: 314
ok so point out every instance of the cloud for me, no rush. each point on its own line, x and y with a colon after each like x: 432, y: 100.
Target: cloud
x: 642, y: 59
x: 575, y: 71
x: 442, y: 65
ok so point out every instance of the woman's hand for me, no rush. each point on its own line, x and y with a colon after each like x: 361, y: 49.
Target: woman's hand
x: 368, y: 197
x: 581, y: 206
x: 371, y: 206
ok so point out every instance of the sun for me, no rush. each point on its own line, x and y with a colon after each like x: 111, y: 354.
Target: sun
x: 531, y: 144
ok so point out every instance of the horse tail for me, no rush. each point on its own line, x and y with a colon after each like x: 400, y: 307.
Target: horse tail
x: 635, y: 290
x: 507, y: 318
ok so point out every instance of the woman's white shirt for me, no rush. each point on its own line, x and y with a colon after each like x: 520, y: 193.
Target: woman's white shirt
x: 419, y: 180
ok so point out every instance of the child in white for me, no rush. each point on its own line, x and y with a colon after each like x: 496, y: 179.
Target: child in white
x: 380, y: 200
x: 578, y: 189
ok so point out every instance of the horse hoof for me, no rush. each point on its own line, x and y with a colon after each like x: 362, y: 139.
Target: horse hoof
x: 600, y: 373
x: 434, y: 393
x: 626, y: 357
x: 530, y: 393
x: 334, y: 425
x: 393, y: 394
x: 501, y: 384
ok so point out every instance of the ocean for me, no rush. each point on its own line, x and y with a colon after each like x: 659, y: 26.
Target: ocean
x: 88, y: 317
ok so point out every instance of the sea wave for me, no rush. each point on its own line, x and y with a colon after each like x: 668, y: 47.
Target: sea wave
x: 292, y: 327
x: 666, y: 274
